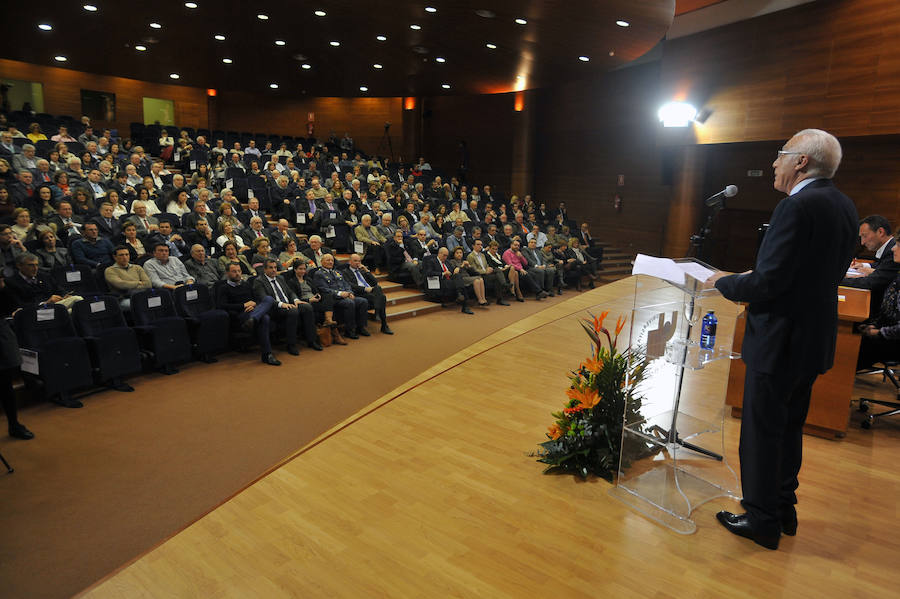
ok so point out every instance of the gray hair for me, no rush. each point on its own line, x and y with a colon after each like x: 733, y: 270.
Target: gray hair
x: 27, y: 257
x: 822, y: 149
x: 27, y: 147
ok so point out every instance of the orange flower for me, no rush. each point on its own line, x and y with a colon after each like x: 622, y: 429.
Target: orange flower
x: 591, y: 365
x: 588, y: 398
x: 554, y: 432
x: 598, y: 322
x: 620, y: 324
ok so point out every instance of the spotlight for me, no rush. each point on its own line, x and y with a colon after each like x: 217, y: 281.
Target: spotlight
x: 676, y: 114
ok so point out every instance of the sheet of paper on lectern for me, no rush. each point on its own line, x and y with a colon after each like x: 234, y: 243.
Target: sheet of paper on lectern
x: 668, y: 269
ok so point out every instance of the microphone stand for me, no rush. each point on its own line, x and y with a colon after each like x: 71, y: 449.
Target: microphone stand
x: 698, y: 240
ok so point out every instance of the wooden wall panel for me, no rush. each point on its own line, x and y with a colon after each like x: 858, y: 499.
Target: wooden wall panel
x: 830, y: 64
x: 363, y: 118
x: 591, y: 131
x: 62, y: 94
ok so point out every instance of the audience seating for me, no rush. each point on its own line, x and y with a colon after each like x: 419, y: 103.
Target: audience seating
x: 208, y: 325
x: 162, y: 332
x: 113, y: 346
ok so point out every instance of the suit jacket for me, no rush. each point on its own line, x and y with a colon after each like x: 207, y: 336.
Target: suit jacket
x: 309, y: 253
x: 415, y: 248
x: 370, y: 236
x: 330, y: 282
x: 24, y: 294
x: 107, y: 230
x: 792, y: 291
x: 262, y: 288
x: 66, y: 235
x: 358, y: 289
x: 248, y: 235
x: 886, y: 270
x: 139, y: 223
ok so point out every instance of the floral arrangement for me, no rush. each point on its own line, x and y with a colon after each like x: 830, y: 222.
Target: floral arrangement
x: 586, y: 436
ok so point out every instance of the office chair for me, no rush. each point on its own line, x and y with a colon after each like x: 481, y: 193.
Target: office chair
x: 864, y: 402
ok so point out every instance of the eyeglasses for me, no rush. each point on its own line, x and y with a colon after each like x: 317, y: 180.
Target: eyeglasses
x: 784, y: 152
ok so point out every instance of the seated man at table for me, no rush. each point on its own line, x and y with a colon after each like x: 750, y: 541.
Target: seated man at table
x: 236, y: 297
x: 875, y: 235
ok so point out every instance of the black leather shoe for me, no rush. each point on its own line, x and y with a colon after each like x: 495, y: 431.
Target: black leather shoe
x: 559, y: 292
x: 19, y: 431
x: 465, y: 310
x: 316, y: 345
x: 520, y: 299
x: 740, y: 525
x: 351, y: 336
x: 789, y: 521
x: 123, y: 387
x: 364, y: 333
x: 386, y: 330
x: 500, y: 302
x: 67, y: 401
x: 293, y: 350
x: 248, y: 325
x: 270, y: 359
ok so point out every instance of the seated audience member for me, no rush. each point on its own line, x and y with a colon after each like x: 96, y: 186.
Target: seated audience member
x: 419, y: 245
x: 202, y: 235
x: 68, y: 224
x: 351, y: 310
x: 145, y: 223
x: 30, y: 287
x: 881, y: 333
x: 204, y: 270
x: 287, y: 257
x: 513, y: 256
x: 875, y: 235
x: 399, y: 259
x: 437, y: 267
x: 495, y: 260
x: 372, y: 241
x: 262, y: 251
x: 460, y: 267
x: 178, y: 205
x: 493, y: 278
x: 131, y: 241
x: 49, y: 254
x: 539, y: 237
x: 177, y: 246
x: 237, y: 298
x: 539, y: 268
x: 323, y: 305
x: 425, y: 225
x: 166, y: 271
x: 91, y: 249
x: 364, y: 285
x: 387, y: 227
x: 228, y: 234
x: 124, y: 278
x: 458, y: 239
x: 226, y: 215
x: 279, y: 237
x: 585, y: 263
x: 230, y: 254
x: 316, y: 250
x: 23, y: 228
x: 289, y: 310
x: 108, y: 226
x: 254, y: 231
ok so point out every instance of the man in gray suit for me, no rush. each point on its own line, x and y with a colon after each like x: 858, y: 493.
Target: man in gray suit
x: 145, y: 224
x: 539, y: 268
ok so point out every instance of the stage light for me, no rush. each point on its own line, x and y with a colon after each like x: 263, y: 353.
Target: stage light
x: 676, y: 114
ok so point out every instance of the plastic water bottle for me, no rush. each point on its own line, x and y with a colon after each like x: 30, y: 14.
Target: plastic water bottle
x: 708, y: 331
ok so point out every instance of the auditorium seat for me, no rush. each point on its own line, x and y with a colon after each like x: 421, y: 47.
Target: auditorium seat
x: 208, y: 325
x: 113, y: 346
x: 161, y: 331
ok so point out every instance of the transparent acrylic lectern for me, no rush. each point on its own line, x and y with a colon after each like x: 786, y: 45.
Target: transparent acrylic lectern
x: 672, y: 458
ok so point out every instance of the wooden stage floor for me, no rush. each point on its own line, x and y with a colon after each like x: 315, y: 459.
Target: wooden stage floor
x: 430, y: 492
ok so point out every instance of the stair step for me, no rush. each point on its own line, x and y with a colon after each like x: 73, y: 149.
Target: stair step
x: 404, y: 296
x: 411, y: 309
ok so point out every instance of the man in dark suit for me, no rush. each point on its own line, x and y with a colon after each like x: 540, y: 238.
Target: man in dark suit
x: 316, y: 251
x: 351, y: 310
x: 30, y: 287
x: 107, y: 225
x: 68, y: 224
x: 791, y: 328
x: 251, y: 211
x: 419, y: 245
x: 435, y: 267
x: 875, y: 235
x: 287, y: 308
x: 364, y: 285
x: 235, y: 296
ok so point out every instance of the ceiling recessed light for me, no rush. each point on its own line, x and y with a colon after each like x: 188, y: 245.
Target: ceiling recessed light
x: 335, y: 44
x: 45, y: 27
x: 190, y: 5
x: 491, y: 46
x: 430, y: 9
x: 377, y: 66
x: 219, y: 37
x: 320, y: 13
x: 155, y: 25
x: 612, y: 52
x: 305, y: 66
x: 273, y: 85
x: 440, y: 59
x: 623, y: 23
x: 583, y: 58
x: 227, y: 60
x: 174, y: 76
x: 521, y: 21
x: 363, y: 88
x: 280, y: 42
x: 381, y: 38
x: 415, y: 27
x: 262, y: 17
x: 89, y: 8
x: 485, y: 14
x: 445, y: 85
x: 60, y: 58
x: 140, y: 48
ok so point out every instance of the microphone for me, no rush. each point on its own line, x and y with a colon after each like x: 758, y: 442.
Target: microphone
x: 719, y: 198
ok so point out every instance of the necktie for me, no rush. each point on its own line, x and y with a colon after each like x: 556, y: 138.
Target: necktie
x: 444, y: 267
x: 281, y: 296
x: 258, y: 234
x: 146, y: 224
x: 360, y: 278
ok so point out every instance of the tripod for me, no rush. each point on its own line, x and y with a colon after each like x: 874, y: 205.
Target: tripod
x: 386, y: 142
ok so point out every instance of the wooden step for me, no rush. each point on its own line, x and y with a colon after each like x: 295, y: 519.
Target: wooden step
x: 403, y: 296
x: 411, y: 309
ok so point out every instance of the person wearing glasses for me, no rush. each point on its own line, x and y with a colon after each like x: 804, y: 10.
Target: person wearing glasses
x: 791, y: 328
